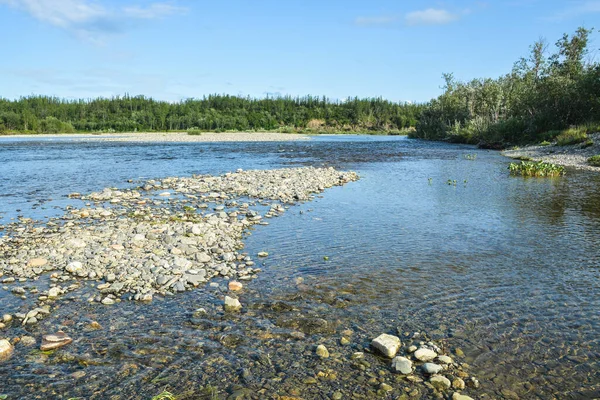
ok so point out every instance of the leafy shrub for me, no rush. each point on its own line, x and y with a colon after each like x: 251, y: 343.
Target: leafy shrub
x: 571, y: 136
x: 587, y: 144
x: 194, y: 131
x: 54, y: 125
x: 594, y: 161
x: 536, y: 169
x: 545, y: 143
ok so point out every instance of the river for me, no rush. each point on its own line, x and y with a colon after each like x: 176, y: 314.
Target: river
x: 434, y: 238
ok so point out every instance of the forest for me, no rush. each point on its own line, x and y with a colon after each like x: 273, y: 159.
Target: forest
x: 544, y: 96
x: 42, y: 114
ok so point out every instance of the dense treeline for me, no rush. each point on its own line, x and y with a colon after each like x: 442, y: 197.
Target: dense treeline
x: 542, y: 95
x: 40, y: 114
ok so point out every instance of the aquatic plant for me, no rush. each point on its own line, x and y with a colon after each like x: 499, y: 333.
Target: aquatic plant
x: 165, y: 396
x: 594, y: 161
x: 536, y: 169
x: 471, y: 157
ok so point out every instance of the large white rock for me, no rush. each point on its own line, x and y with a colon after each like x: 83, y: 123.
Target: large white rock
x: 388, y: 345
x: 424, y: 354
x: 402, y: 365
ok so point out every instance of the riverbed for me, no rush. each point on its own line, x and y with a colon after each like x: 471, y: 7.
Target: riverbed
x: 434, y: 242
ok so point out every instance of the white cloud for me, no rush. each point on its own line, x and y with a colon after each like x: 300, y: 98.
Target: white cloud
x: 89, y: 20
x: 430, y: 16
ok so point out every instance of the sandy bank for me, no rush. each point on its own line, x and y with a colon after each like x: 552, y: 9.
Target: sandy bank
x: 569, y: 156
x: 181, y: 137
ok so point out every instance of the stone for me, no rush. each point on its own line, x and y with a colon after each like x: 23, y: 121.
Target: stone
x: 402, y: 365
x: 263, y: 254
x: 440, y: 382
x: 53, y: 292
x: 203, y: 257
x: 385, y: 387
x: 6, y: 318
x: 6, y: 349
x: 458, y: 384
x: 27, y: 341
x: 37, y: 262
x: 107, y: 301
x: 411, y: 349
x: 424, y: 354
x: 232, y: 304
x: 74, y: 267
x: 55, y: 341
x: 458, y: 396
x: 75, y: 243
x: 444, y: 359
x: 388, y: 345
x: 322, y: 351
x: 431, y: 368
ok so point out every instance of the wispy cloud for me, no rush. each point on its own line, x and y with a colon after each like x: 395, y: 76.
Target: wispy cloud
x: 430, y: 16
x: 576, y: 9
x: 89, y: 20
x: 381, y: 20
x: 155, y: 10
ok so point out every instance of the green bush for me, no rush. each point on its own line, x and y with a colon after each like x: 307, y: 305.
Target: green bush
x: 194, y: 131
x: 571, y: 136
x: 587, y: 143
x: 594, y: 161
x: 545, y: 143
x: 54, y: 125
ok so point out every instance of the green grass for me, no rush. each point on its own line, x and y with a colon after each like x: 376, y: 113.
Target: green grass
x: 536, y: 169
x: 594, y: 161
x: 587, y: 143
x: 545, y: 143
x: 571, y: 136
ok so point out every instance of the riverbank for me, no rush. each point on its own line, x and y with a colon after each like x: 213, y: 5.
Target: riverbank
x: 175, y: 137
x: 574, y: 156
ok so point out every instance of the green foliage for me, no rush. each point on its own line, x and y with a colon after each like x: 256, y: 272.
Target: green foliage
x: 218, y: 113
x: 545, y: 143
x: 540, y: 95
x: 194, y: 131
x: 587, y: 143
x: 536, y: 169
x: 571, y: 136
x: 594, y: 161
x: 471, y: 157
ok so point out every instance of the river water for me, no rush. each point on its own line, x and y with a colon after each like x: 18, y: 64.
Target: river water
x: 434, y: 238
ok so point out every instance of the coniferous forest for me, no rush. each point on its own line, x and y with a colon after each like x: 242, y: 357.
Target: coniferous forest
x: 546, y: 92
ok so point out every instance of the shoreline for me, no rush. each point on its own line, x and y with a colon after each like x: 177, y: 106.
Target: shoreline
x: 572, y: 156
x: 175, y: 137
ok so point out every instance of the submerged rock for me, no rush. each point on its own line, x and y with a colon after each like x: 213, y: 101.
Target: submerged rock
x: 6, y: 349
x: 232, y: 304
x: 440, y: 382
x: 322, y: 351
x: 55, y: 341
x: 424, y: 354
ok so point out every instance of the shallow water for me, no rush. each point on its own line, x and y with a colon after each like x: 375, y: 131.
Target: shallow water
x: 505, y: 268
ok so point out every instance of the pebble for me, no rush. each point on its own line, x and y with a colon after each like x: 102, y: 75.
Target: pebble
x: 458, y: 396
x: 458, y: 384
x: 235, y: 286
x: 263, y: 254
x: 232, y: 304
x: 55, y: 341
x: 444, y: 359
x: 388, y: 345
x: 431, y: 368
x: 37, y: 262
x: 402, y: 365
x: 27, y: 341
x: 6, y: 349
x: 107, y: 301
x: 424, y: 354
x: 440, y: 382
x: 322, y: 351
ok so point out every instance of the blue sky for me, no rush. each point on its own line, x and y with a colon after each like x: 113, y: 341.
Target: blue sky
x: 172, y: 50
